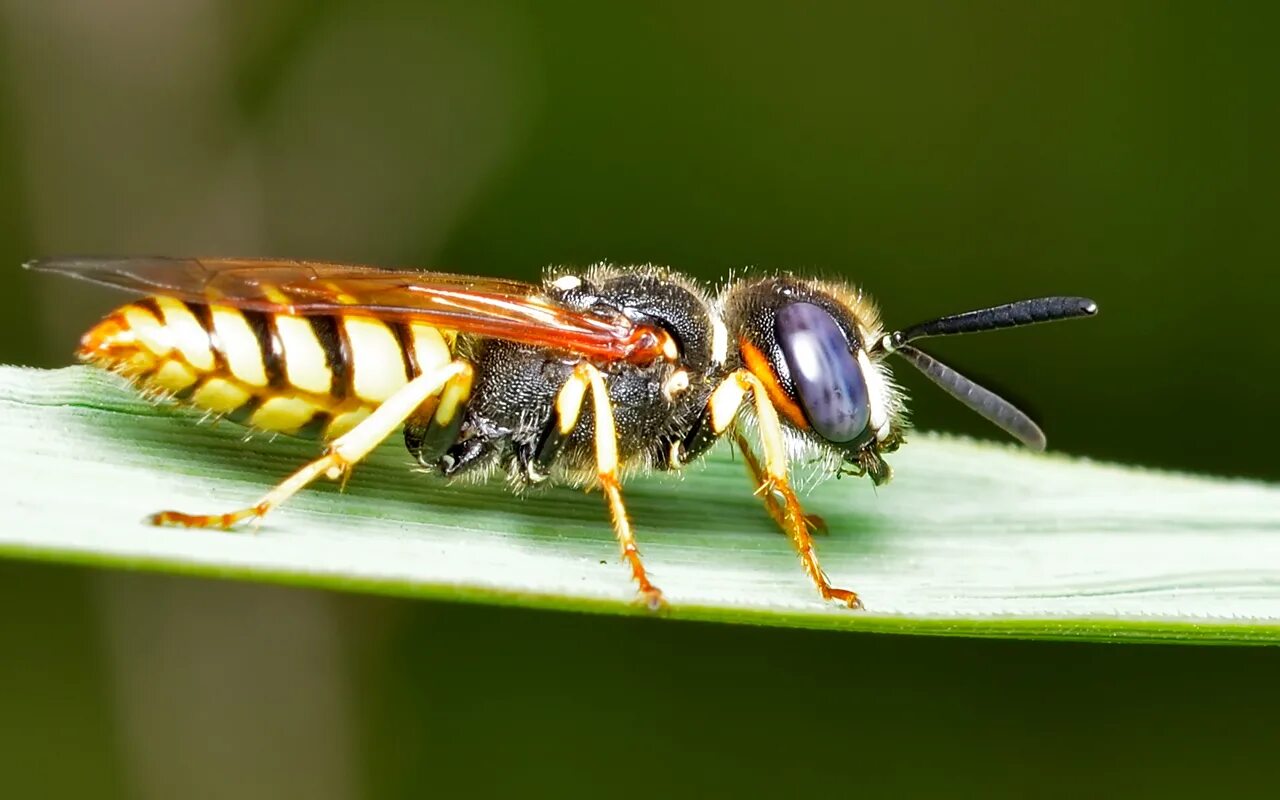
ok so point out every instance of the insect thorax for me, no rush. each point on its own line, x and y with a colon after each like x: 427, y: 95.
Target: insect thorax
x: 511, y: 410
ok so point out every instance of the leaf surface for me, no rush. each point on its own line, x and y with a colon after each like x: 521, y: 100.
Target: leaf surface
x: 969, y: 538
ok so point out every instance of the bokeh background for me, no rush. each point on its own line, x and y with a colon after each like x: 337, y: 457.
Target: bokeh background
x: 942, y: 155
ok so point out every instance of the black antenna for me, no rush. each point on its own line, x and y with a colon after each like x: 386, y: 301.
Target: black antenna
x: 989, y: 405
x: 985, y: 402
x: 1009, y: 315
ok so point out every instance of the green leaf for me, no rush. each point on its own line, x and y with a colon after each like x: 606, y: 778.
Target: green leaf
x: 969, y: 539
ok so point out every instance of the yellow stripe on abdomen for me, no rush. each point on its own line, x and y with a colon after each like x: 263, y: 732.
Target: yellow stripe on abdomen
x: 305, y: 366
x: 431, y: 348
x: 377, y: 359
x: 341, y: 423
x: 174, y: 375
x: 239, y: 346
x: 148, y: 330
x: 186, y: 334
x: 281, y: 373
x: 221, y: 395
x: 284, y: 413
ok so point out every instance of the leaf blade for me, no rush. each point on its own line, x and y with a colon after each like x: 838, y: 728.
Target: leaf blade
x: 970, y: 539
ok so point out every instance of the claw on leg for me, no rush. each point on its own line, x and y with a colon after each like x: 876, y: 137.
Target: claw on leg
x: 797, y: 527
x: 331, y: 465
x: 647, y: 595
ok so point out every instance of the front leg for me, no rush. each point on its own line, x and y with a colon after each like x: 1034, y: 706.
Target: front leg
x: 771, y: 481
x: 772, y: 503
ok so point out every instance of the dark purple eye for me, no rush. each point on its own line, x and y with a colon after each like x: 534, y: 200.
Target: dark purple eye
x: 824, y: 371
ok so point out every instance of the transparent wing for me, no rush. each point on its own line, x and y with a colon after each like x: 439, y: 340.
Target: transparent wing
x: 494, y: 307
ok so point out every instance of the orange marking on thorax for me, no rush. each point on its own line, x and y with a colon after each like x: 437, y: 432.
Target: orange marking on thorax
x: 760, y: 367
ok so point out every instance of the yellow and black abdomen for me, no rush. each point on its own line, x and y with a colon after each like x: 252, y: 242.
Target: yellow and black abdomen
x: 314, y: 375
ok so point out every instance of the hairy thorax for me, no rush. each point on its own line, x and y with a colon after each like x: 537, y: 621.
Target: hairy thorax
x: 511, y: 412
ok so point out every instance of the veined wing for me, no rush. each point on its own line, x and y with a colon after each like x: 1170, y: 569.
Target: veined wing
x: 493, y: 307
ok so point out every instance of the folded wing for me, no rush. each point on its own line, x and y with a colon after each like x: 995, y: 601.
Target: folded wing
x: 492, y: 307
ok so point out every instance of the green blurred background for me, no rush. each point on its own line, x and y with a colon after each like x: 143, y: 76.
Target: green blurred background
x: 941, y: 155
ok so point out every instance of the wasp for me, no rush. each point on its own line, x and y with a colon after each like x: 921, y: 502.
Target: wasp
x: 580, y: 380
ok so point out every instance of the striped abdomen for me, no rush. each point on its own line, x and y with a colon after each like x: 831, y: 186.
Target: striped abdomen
x: 277, y: 372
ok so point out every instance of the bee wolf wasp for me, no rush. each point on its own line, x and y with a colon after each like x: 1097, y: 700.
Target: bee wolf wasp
x: 579, y: 380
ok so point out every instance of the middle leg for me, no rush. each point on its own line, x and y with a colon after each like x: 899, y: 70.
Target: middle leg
x: 568, y: 406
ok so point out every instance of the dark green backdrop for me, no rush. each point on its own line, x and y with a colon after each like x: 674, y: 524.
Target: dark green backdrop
x: 940, y: 155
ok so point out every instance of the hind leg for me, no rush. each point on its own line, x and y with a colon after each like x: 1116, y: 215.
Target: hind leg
x: 342, y: 454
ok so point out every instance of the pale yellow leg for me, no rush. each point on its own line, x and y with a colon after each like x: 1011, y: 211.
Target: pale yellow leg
x: 780, y: 499
x: 342, y: 454
x: 772, y: 502
x: 569, y: 402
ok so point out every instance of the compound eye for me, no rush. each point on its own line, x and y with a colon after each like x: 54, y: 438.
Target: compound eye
x: 827, y: 379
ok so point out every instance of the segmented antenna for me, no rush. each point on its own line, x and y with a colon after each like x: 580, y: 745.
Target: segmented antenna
x: 989, y: 405
x: 986, y: 403
x: 1009, y: 315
